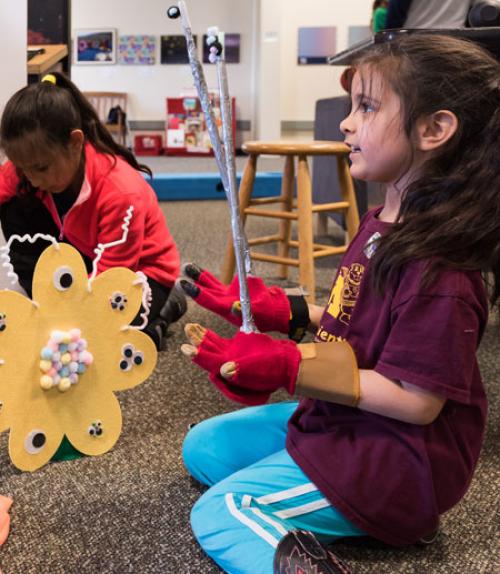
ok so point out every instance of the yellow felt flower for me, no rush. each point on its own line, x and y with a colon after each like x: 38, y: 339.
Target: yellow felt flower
x: 64, y: 353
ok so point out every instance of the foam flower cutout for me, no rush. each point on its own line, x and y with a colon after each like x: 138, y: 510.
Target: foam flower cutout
x: 68, y: 329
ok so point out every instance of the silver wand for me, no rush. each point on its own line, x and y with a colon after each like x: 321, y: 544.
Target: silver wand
x: 224, y: 154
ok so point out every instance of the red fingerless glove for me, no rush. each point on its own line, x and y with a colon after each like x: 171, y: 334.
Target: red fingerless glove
x: 270, y: 305
x: 263, y: 365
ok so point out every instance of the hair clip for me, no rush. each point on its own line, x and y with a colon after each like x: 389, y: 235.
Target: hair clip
x: 50, y: 78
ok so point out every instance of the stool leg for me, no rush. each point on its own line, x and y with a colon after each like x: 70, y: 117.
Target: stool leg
x: 285, y: 225
x: 347, y: 192
x: 305, y: 232
x: 246, y: 188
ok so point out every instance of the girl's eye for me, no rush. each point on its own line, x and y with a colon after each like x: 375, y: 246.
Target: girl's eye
x: 367, y: 107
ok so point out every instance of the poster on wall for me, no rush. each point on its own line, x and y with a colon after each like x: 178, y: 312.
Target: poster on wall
x: 358, y: 34
x: 136, y: 50
x: 231, y: 43
x: 174, y: 49
x: 95, y: 46
x: 316, y: 45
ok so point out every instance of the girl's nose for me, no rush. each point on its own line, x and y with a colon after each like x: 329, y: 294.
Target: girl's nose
x: 346, y: 126
x: 35, y: 182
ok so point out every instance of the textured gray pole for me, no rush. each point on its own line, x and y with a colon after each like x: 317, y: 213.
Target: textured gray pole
x: 224, y: 155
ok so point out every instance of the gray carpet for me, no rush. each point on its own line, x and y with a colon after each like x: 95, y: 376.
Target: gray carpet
x: 128, y: 510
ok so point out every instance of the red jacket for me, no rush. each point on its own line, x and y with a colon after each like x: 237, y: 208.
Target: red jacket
x: 110, y: 187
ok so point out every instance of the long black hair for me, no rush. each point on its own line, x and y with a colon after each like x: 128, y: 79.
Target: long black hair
x: 450, y: 214
x: 54, y: 111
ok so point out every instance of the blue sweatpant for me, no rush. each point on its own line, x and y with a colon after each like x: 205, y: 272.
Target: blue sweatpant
x: 257, y: 492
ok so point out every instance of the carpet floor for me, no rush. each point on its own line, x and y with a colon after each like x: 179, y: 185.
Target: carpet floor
x: 128, y: 510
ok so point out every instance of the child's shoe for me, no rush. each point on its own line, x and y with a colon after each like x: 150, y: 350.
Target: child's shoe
x: 299, y: 551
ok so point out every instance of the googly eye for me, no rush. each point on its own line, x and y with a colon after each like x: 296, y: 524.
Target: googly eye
x: 138, y: 358
x: 35, y: 441
x: 118, y: 301
x: 63, y: 278
x: 125, y: 365
x: 128, y: 351
x: 95, y: 429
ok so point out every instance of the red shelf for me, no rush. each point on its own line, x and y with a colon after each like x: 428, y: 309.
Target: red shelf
x: 186, y: 131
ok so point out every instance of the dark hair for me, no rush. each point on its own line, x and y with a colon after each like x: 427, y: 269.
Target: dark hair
x: 450, y: 215
x: 55, y: 111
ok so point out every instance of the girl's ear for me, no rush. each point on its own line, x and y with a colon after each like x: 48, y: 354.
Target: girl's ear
x: 434, y: 130
x: 76, y: 140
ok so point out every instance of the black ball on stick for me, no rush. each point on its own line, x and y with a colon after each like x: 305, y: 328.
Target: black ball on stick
x: 173, y: 12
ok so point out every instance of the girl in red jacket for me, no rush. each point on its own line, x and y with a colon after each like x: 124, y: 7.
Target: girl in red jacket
x: 68, y: 178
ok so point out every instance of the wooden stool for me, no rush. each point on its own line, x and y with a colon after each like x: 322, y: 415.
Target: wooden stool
x: 302, y: 212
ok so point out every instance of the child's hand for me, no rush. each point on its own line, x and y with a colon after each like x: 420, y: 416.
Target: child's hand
x: 5, y: 503
x: 270, y: 305
x: 246, y: 368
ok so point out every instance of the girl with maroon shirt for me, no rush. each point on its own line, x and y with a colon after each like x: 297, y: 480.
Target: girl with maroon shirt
x: 390, y: 428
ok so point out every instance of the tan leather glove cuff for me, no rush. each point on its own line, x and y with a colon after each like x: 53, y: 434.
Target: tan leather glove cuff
x: 329, y: 371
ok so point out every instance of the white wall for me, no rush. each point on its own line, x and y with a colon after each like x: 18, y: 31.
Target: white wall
x: 301, y: 86
x: 13, y: 40
x: 148, y: 86
x: 267, y: 116
x: 268, y: 84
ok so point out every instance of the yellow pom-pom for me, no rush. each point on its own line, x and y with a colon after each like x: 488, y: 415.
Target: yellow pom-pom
x: 64, y: 384
x: 66, y: 338
x: 45, y: 366
x: 66, y: 358
x: 46, y: 382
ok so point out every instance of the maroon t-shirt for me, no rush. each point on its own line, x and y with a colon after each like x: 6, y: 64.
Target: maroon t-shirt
x: 393, y: 479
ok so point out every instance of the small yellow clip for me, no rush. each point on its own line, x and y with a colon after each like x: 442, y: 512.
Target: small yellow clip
x: 50, y: 78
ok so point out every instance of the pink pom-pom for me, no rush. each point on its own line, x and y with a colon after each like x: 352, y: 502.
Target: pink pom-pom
x: 75, y: 334
x: 86, y: 358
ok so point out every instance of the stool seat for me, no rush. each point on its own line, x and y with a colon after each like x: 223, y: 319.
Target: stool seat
x: 317, y: 147
x: 300, y: 210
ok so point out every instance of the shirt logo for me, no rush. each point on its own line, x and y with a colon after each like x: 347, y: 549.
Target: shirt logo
x: 345, y: 292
